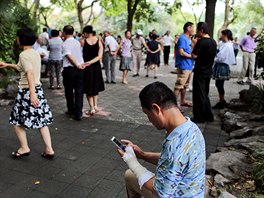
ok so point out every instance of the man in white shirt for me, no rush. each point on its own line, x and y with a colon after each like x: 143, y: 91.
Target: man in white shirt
x: 167, y: 44
x: 72, y: 73
x: 138, y: 42
x: 110, y: 57
x: 45, y: 38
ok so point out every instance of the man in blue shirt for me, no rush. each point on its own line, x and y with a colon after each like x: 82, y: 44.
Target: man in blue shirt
x: 180, y: 168
x: 184, y: 63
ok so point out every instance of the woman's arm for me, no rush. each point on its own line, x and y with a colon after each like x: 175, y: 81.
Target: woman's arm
x: 3, y: 65
x: 32, y: 92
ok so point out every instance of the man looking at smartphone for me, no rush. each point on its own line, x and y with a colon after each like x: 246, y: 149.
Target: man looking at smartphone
x: 180, y: 168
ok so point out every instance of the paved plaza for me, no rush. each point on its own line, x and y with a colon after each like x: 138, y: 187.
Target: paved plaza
x: 86, y: 162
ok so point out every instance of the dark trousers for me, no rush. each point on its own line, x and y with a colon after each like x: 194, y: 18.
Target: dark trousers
x: 166, y: 54
x: 202, y: 111
x: 220, y: 86
x: 73, y: 84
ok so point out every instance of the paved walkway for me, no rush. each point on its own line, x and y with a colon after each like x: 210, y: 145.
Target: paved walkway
x: 86, y: 164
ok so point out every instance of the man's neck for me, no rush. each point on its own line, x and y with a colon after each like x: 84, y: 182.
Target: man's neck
x: 187, y: 34
x: 68, y: 36
x: 174, y: 119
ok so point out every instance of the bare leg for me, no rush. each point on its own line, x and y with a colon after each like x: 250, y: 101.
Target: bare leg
x: 148, y: 67
x: 95, y: 98
x: 22, y: 137
x: 124, y: 77
x: 155, y: 70
x: 91, y: 104
x: 44, y: 131
x: 177, y: 92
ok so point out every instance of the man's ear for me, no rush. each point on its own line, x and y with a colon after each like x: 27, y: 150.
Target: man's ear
x: 155, y: 108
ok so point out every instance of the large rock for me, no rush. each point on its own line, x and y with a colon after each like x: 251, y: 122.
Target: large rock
x: 230, y: 125
x: 238, y: 105
x: 233, y: 121
x: 219, y: 180
x: 2, y: 92
x: 241, y: 133
x: 225, y: 194
x: 231, y: 164
x: 12, y: 90
x: 252, y: 144
x: 259, y: 130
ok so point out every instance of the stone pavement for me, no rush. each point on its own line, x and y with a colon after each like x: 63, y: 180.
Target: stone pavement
x: 86, y: 163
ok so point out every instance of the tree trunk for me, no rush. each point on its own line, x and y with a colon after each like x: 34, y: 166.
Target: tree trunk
x: 227, y: 21
x: 79, y: 10
x: 131, y: 9
x: 210, y: 15
x: 129, y: 22
x: 36, y: 8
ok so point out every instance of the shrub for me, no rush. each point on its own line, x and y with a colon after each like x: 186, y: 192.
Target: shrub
x: 257, y: 102
x: 259, y: 171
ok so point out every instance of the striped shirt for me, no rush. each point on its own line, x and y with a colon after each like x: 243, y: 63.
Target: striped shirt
x: 55, y: 47
x: 181, y: 167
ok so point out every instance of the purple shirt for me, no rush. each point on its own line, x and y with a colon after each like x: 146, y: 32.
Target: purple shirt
x: 248, y: 44
x: 126, y: 48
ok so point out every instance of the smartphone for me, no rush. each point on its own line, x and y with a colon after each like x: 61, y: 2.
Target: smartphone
x: 118, y: 144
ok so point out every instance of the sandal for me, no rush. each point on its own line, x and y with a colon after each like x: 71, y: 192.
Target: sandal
x: 59, y: 87
x: 47, y: 156
x: 91, y: 112
x: 187, y: 104
x: 51, y: 87
x: 17, y: 155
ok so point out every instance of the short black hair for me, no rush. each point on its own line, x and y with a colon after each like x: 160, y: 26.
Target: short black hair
x: 155, y: 36
x: 54, y: 33
x: 44, y: 29
x: 126, y: 31
x: 26, y: 37
x: 228, y: 34
x: 158, y: 93
x: 203, y: 27
x: 68, y: 30
x: 186, y: 25
x: 88, y: 29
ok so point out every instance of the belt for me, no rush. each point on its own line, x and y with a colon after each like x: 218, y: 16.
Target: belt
x: 137, y: 49
x: 249, y: 52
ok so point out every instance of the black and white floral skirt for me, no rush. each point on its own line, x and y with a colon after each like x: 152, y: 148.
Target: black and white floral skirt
x: 28, y: 116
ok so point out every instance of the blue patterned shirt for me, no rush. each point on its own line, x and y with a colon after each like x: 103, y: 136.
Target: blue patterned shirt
x: 181, y: 167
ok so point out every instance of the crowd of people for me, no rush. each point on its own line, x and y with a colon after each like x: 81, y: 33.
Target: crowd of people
x: 181, y: 164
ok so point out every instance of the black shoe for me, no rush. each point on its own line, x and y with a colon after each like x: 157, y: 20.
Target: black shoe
x: 17, y: 155
x: 77, y: 118
x: 68, y: 113
x: 107, y: 82
x: 47, y: 156
x: 135, y: 75
x: 147, y: 76
x: 155, y: 77
x: 240, y: 82
x: 219, y: 105
x: 113, y: 82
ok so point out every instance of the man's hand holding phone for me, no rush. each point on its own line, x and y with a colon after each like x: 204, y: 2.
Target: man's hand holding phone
x: 138, y: 151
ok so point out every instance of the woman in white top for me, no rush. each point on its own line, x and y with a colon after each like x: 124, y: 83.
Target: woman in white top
x: 221, y: 70
x: 30, y: 110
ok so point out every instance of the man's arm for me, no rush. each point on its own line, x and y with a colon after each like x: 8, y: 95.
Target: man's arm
x: 242, y: 43
x: 72, y: 60
x: 150, y: 157
x: 184, y: 54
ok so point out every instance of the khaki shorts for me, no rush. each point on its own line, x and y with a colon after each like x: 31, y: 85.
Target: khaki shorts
x: 183, y: 78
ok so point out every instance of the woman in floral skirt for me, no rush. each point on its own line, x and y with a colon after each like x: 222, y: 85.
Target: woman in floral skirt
x: 30, y: 110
